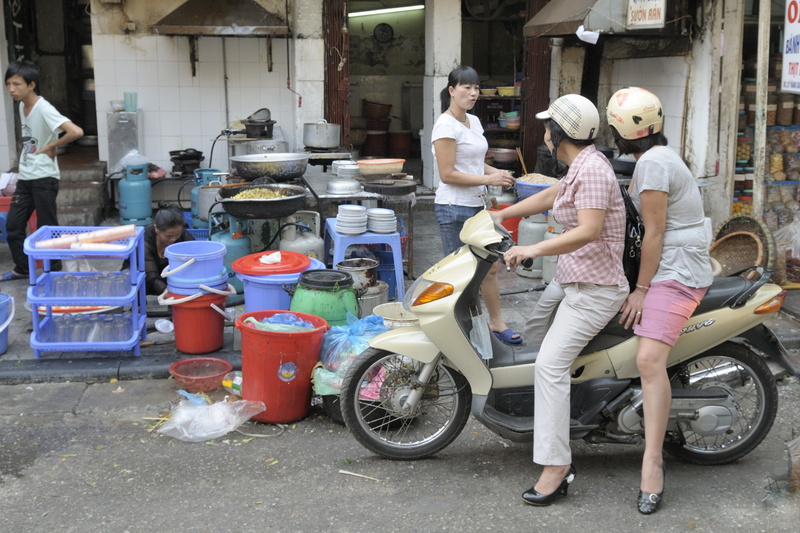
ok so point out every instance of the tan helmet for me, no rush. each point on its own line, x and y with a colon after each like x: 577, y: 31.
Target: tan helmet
x: 635, y: 113
x: 576, y: 115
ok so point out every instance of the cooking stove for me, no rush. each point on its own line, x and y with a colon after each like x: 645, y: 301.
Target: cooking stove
x: 185, y: 167
x: 325, y: 156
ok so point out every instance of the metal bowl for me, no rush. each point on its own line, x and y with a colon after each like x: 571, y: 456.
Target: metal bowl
x: 278, y: 166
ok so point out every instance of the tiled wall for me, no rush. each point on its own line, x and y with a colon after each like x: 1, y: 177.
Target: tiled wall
x: 184, y: 111
x: 8, y: 146
x: 666, y: 78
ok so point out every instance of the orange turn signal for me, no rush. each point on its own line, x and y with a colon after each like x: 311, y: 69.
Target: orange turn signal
x: 437, y: 291
x: 772, y: 306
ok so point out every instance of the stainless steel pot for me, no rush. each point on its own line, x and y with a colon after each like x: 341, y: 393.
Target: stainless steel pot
x: 320, y: 134
x: 278, y: 166
x: 363, y: 270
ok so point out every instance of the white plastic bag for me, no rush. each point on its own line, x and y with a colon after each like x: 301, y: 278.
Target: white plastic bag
x: 197, y: 423
x: 131, y: 158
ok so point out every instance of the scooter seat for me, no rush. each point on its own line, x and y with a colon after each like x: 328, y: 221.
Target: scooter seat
x: 722, y: 293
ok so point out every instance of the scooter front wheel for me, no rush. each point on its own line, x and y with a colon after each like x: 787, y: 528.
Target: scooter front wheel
x: 373, y: 394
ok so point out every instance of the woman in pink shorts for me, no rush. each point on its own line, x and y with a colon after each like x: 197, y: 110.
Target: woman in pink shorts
x: 675, y: 271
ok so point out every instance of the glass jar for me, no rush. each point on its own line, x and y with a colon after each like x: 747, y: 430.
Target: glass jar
x: 750, y: 99
x: 743, y: 149
x: 741, y: 123
x: 785, y: 116
x: 772, y: 106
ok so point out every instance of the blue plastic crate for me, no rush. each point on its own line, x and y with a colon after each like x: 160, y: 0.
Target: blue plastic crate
x: 199, y: 234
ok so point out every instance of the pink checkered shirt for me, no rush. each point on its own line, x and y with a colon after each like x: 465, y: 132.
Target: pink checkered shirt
x: 591, y: 184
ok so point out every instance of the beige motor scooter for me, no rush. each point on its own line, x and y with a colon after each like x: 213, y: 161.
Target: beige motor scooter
x: 410, y: 394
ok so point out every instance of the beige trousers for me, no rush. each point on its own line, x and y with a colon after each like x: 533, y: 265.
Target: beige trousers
x: 564, y: 320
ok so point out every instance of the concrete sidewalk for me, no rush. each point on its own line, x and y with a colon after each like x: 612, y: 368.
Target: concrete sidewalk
x: 19, y: 366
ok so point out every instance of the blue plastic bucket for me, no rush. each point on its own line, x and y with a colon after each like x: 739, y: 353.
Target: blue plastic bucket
x: 262, y: 293
x: 194, y: 261
x: 6, y: 316
x: 185, y: 289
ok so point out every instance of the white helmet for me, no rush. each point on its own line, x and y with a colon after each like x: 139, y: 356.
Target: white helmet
x: 576, y: 115
x: 635, y: 113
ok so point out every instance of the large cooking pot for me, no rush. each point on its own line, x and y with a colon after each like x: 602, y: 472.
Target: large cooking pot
x: 320, y: 134
x: 278, y: 166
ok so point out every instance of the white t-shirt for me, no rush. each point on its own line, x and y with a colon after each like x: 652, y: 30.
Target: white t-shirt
x: 471, y: 147
x: 39, y: 128
x: 684, y: 254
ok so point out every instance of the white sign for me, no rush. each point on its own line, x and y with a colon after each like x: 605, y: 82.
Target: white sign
x: 644, y: 14
x: 790, y: 76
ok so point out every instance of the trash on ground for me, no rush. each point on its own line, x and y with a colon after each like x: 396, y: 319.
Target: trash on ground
x: 193, y: 420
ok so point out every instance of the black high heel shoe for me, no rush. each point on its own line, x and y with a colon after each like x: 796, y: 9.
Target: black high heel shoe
x: 533, y: 497
x: 648, y: 503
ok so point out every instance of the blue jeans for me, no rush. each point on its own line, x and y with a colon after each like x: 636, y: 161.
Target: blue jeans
x: 451, y: 219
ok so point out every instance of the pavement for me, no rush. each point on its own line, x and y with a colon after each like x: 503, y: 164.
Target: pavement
x: 158, y: 352
x: 79, y: 452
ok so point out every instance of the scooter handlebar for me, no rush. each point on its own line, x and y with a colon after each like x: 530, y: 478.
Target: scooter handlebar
x: 505, y: 245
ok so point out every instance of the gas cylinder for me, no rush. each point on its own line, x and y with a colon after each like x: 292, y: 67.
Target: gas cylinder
x: 135, y: 199
x: 549, y: 261
x: 302, y: 240
x: 202, y: 177
x: 231, y: 232
x: 532, y: 230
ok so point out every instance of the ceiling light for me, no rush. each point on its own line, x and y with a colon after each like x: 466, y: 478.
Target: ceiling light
x: 386, y: 11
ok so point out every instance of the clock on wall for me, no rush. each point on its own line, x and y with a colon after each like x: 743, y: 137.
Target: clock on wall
x: 383, y: 33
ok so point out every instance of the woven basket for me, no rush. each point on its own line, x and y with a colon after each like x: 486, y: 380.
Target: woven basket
x: 748, y: 223
x: 737, y: 252
x: 375, y: 110
x: 357, y: 137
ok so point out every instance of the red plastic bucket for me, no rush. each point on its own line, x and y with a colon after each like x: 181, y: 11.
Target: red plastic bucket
x: 198, y: 326
x: 511, y: 224
x: 276, y: 366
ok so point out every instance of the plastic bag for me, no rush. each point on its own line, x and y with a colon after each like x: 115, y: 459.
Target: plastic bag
x: 8, y: 183
x: 340, y: 346
x: 276, y: 323
x: 131, y: 158
x: 193, y: 422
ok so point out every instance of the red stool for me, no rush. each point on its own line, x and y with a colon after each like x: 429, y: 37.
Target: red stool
x: 5, y: 207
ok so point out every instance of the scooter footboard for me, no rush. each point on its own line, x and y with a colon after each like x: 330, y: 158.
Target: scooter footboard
x: 410, y: 341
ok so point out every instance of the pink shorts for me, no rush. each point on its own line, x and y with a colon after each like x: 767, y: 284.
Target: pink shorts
x: 667, y: 307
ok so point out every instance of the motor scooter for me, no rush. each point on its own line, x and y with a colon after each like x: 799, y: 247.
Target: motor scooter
x: 410, y: 394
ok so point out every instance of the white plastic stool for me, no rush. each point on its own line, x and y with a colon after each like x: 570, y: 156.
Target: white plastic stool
x: 342, y: 241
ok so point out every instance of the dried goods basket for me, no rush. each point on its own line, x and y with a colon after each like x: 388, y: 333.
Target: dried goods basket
x: 749, y: 223
x: 737, y: 251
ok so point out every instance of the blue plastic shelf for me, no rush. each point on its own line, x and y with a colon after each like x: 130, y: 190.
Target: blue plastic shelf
x: 40, y: 294
x: 139, y: 332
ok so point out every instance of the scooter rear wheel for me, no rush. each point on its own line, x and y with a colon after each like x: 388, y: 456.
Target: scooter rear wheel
x: 752, y: 389
x: 373, y: 392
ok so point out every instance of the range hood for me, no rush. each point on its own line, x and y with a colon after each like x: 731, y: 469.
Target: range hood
x: 234, y: 18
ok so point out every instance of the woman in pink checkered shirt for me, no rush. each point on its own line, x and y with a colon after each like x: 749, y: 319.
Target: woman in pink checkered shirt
x: 589, y: 285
